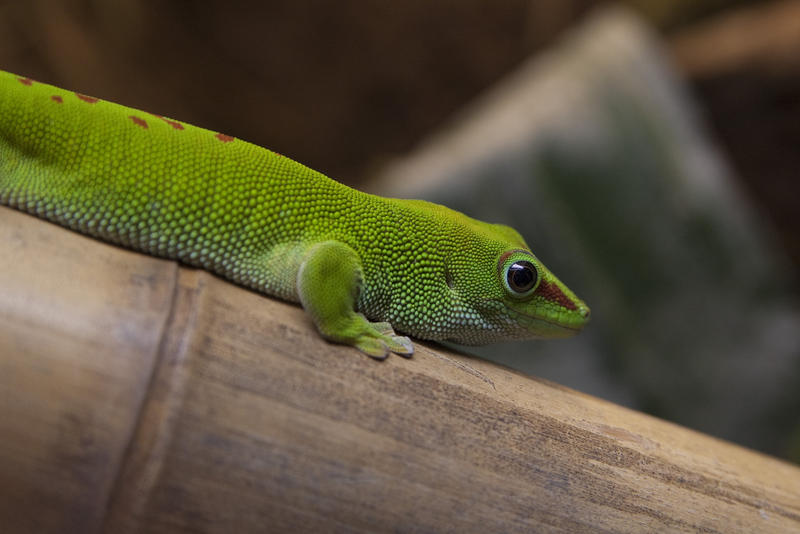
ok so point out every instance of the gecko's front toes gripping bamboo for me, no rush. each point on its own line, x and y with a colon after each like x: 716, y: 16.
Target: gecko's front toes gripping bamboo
x: 328, y: 283
x: 378, y: 344
x: 387, y: 340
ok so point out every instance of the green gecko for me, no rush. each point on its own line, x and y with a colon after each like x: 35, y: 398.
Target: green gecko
x: 362, y: 266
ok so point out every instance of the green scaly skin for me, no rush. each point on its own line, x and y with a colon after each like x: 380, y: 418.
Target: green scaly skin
x: 266, y: 222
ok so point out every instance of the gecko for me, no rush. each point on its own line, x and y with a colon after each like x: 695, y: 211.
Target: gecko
x: 369, y: 271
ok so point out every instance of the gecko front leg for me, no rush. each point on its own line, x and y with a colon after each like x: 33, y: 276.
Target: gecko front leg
x: 328, y: 282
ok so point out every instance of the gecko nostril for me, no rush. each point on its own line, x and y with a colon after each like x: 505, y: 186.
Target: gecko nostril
x: 448, y: 279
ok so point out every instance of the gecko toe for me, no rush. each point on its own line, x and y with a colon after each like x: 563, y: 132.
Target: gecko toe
x: 373, y: 347
x: 401, y: 345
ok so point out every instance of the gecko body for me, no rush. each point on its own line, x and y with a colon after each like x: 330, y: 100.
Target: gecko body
x: 362, y: 266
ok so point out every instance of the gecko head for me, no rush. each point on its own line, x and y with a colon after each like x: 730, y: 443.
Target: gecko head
x: 489, y: 287
x: 523, y: 300
x: 535, y: 300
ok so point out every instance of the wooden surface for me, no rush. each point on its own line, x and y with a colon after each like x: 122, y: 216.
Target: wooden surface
x: 137, y: 396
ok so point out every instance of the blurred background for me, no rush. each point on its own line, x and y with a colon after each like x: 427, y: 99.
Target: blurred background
x: 647, y: 149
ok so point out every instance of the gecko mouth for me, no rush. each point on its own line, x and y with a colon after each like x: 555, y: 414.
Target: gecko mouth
x: 527, y: 319
x: 530, y: 319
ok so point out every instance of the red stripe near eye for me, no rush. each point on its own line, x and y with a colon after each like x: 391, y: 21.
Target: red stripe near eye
x: 553, y: 293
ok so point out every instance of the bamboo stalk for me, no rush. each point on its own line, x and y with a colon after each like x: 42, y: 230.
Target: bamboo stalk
x: 138, y: 396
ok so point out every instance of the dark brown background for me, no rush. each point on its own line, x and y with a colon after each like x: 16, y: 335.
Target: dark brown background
x: 346, y: 86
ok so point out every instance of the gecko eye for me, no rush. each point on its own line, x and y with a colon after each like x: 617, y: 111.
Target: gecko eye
x: 521, y: 278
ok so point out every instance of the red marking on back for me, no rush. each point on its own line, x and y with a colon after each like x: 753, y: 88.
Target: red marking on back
x: 56, y: 98
x: 25, y: 81
x: 224, y: 138
x: 174, y: 124
x: 86, y: 98
x: 139, y: 122
x: 553, y: 293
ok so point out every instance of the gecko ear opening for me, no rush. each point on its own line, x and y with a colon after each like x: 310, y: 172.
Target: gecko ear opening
x: 448, y: 278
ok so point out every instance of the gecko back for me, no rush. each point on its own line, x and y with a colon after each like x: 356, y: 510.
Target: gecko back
x: 154, y: 184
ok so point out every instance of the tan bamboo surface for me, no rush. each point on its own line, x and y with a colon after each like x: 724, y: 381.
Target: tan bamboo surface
x: 137, y: 395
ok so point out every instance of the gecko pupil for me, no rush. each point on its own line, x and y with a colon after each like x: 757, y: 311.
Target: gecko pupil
x: 522, y: 276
